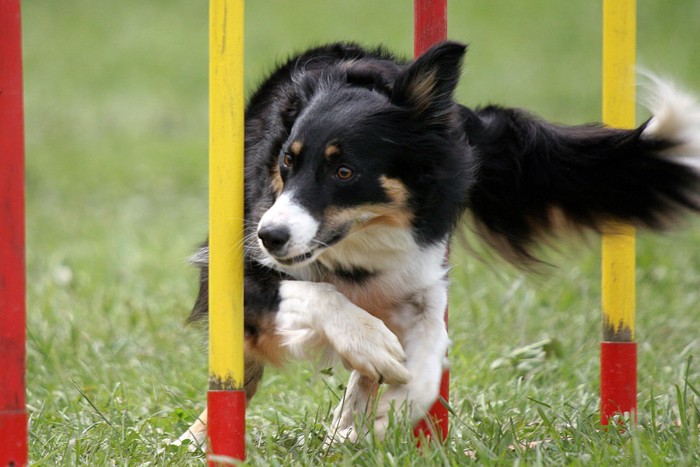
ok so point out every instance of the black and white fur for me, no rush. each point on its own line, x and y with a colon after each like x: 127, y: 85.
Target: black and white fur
x: 359, y: 166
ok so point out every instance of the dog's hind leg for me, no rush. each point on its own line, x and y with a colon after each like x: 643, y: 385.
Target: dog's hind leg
x: 196, y: 434
x: 425, y: 342
x: 354, y: 408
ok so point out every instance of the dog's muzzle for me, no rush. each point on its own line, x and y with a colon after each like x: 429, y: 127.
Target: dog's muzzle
x: 287, y: 232
x: 276, y: 240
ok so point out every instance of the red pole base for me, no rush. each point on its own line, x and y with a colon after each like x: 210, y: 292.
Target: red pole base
x: 13, y: 438
x: 618, y: 380
x: 225, y: 427
x: 436, y: 422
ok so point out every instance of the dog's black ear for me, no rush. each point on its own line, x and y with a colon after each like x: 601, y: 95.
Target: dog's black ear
x: 427, y: 84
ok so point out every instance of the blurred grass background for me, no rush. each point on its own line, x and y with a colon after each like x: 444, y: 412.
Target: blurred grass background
x: 116, y: 131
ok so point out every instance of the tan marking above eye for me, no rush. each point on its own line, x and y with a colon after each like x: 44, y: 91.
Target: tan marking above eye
x: 296, y: 147
x: 331, y: 150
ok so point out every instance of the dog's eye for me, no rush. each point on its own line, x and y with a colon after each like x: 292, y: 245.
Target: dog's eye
x: 344, y: 173
x: 288, y: 160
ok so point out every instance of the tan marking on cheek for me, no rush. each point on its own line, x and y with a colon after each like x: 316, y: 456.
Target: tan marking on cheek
x: 276, y: 180
x: 331, y: 150
x: 396, y: 213
x: 337, y: 218
x: 393, y: 217
x: 368, y: 215
x: 395, y: 190
x: 296, y: 147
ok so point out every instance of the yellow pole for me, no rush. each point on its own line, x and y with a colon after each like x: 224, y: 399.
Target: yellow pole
x: 618, y: 385
x: 619, y: 48
x: 226, y: 397
x: 226, y: 103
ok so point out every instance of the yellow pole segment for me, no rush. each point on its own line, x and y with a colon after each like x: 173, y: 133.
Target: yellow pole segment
x: 226, y: 143
x: 618, y: 268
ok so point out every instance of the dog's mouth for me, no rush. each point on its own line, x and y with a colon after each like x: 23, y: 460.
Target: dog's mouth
x: 310, y: 255
x: 297, y: 260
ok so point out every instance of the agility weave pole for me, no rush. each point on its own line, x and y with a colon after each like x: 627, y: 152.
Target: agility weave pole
x: 430, y: 27
x: 618, y: 356
x: 226, y: 397
x: 13, y: 414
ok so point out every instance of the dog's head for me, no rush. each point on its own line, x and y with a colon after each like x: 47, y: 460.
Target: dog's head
x: 370, y: 144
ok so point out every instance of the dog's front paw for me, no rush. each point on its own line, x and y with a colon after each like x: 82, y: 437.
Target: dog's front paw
x: 370, y: 348
x: 312, y: 315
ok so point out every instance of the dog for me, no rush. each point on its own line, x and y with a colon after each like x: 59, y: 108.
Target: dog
x: 358, y: 168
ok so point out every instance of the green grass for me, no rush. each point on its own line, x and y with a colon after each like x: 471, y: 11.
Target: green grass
x: 116, y: 119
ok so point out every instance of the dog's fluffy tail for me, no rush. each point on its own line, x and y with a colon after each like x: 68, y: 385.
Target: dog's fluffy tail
x: 534, y: 177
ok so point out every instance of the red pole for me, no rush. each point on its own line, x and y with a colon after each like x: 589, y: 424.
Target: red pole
x: 618, y: 380
x: 430, y: 27
x: 13, y: 415
x: 429, y: 24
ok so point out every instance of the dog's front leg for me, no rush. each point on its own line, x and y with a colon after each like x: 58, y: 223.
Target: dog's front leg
x: 313, y: 317
x: 424, y: 337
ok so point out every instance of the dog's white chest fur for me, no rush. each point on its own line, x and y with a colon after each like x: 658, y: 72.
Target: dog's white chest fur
x: 401, y: 270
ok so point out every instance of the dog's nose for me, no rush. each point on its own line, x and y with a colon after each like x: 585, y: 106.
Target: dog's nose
x: 274, y: 238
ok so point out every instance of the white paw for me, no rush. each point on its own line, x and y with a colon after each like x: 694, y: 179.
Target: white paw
x: 370, y: 348
x: 314, y: 315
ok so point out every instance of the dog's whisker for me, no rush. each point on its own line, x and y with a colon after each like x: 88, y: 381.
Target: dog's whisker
x: 321, y: 243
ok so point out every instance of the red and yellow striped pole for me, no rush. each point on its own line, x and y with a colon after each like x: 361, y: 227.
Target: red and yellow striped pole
x: 430, y: 27
x: 226, y: 397
x: 13, y: 413
x: 618, y: 359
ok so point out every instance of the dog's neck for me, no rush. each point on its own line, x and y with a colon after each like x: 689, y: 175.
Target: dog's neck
x: 378, y: 268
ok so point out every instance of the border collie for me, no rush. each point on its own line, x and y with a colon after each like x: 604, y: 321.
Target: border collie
x: 359, y: 166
